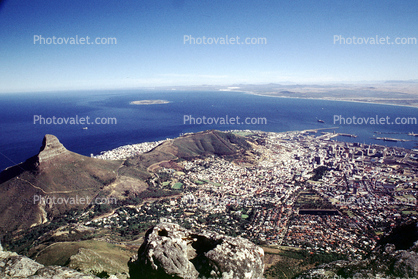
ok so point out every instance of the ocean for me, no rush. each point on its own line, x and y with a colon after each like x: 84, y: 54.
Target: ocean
x: 21, y: 138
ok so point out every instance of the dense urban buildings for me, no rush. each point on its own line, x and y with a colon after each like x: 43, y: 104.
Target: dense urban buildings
x: 300, y: 189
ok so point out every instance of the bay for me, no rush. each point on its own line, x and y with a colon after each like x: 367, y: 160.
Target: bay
x: 22, y: 138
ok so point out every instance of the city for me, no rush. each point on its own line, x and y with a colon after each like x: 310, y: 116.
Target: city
x: 297, y: 189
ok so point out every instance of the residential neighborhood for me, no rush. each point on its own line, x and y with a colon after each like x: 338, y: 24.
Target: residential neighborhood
x: 302, y: 189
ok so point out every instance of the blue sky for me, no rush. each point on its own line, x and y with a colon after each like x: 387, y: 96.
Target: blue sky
x: 150, y: 49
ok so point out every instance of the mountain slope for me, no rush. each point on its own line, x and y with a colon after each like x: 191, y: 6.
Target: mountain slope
x: 56, y: 175
x: 57, y: 180
x: 190, y: 146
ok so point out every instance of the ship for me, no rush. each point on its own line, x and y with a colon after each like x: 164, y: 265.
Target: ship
x: 321, y: 121
x: 391, y: 139
x: 347, y: 135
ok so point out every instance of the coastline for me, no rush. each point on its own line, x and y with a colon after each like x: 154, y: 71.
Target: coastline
x: 156, y: 127
x: 127, y: 151
x: 325, y: 99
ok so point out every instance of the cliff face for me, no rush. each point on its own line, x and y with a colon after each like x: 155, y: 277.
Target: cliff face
x: 51, y: 147
x: 13, y: 265
x: 170, y: 251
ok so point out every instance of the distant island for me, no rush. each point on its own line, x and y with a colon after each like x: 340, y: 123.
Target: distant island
x: 149, y: 102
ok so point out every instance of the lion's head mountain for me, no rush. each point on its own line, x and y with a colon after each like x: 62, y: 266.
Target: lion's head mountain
x: 60, y: 176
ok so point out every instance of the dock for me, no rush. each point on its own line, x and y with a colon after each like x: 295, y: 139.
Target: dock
x: 328, y: 136
x: 316, y: 130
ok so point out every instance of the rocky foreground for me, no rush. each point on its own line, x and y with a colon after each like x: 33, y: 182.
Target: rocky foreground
x: 13, y: 265
x: 170, y: 251
x: 384, y: 262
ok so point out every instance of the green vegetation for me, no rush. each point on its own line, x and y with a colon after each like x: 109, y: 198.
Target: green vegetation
x: 150, y: 192
x: 163, y: 178
x: 291, y: 262
x: 177, y: 186
x: 406, y: 212
x: 243, y: 133
x: 198, y: 182
x: 23, y: 242
x: 350, y: 213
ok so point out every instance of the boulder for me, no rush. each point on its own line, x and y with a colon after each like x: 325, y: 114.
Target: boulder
x: 60, y: 272
x: 13, y: 265
x: 170, y: 251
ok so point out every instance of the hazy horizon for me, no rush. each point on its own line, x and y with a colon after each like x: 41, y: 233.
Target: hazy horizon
x: 54, y: 45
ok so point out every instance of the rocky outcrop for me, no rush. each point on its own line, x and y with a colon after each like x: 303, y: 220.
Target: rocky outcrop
x: 51, y: 147
x: 170, y: 251
x: 384, y: 262
x: 13, y: 265
x: 406, y: 262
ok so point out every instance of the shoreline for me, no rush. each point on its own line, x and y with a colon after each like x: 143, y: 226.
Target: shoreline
x: 324, y: 99
x: 103, y: 154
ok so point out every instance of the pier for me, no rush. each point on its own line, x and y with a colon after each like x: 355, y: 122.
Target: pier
x: 329, y: 136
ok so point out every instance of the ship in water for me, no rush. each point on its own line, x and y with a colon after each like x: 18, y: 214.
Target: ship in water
x: 412, y: 134
x: 320, y: 121
x: 347, y: 135
x: 391, y: 139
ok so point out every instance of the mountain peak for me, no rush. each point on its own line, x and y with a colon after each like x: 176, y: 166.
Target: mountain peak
x: 51, y: 147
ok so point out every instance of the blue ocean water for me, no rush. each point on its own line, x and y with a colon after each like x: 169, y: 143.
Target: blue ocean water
x: 21, y: 138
